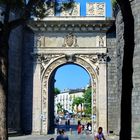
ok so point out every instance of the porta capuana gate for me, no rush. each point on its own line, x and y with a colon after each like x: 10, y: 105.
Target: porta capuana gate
x: 63, y: 41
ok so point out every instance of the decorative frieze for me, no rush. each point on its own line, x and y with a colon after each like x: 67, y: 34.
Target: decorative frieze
x: 95, y: 9
x: 73, y: 11
x: 44, y: 59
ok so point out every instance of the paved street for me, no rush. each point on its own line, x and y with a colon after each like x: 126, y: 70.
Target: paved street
x: 31, y: 137
x: 71, y: 137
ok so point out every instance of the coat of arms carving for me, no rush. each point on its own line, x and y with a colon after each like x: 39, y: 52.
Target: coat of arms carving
x: 70, y: 40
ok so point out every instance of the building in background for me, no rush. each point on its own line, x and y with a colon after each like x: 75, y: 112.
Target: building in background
x: 65, y: 98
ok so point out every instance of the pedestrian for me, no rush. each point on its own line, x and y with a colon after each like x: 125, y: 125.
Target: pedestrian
x: 68, y: 121
x: 62, y: 135
x: 79, y: 128
x: 65, y: 137
x: 100, y: 135
x: 89, y: 128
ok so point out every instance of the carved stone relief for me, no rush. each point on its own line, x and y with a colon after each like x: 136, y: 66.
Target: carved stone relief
x: 95, y: 9
x: 41, y: 41
x: 74, y: 11
x: 70, y: 40
x: 50, y: 9
x: 100, y: 41
x: 102, y: 57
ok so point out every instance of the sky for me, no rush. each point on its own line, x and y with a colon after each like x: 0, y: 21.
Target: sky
x: 73, y: 76
x: 83, y: 6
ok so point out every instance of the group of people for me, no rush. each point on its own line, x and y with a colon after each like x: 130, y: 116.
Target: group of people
x: 84, y: 128
x: 98, y: 136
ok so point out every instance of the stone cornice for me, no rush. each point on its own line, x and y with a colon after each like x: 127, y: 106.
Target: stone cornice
x: 81, y: 24
x: 80, y: 50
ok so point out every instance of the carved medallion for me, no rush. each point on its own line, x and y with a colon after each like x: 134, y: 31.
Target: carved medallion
x: 70, y: 40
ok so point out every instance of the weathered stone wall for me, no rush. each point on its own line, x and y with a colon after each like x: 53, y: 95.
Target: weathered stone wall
x: 112, y: 82
x: 119, y: 52
x: 136, y: 74
x: 27, y: 81
x: 14, y: 75
x: 136, y: 64
x: 14, y: 90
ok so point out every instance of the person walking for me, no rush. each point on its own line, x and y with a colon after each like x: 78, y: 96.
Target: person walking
x: 100, y: 135
x: 79, y: 128
x: 62, y: 135
x: 65, y: 137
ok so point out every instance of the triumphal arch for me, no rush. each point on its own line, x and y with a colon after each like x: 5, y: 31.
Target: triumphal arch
x: 64, y: 39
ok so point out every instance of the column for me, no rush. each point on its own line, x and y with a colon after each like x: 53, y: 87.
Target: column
x: 36, y: 123
x: 102, y: 97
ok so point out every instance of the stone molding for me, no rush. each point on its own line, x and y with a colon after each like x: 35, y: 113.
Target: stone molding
x: 60, y: 24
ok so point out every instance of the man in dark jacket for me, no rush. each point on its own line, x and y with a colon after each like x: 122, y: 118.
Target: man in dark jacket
x: 62, y: 135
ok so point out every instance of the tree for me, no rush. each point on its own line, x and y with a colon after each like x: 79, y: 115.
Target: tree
x: 59, y: 107
x: 87, y: 101
x: 76, y: 102
x: 56, y: 91
x: 27, y: 9
x: 127, y: 69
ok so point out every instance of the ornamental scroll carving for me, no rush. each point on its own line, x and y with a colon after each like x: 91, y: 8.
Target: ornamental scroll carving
x: 44, y: 59
x: 70, y: 40
x: 102, y: 57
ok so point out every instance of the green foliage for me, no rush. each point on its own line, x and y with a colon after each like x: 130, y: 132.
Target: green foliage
x: 56, y: 91
x: 59, y: 108
x: 87, y: 101
x: 77, y: 101
x: 34, y: 8
x: 114, y: 2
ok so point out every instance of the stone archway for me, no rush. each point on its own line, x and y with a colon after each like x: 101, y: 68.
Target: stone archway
x: 47, y: 63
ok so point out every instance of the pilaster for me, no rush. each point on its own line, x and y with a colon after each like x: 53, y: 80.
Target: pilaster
x: 36, y: 123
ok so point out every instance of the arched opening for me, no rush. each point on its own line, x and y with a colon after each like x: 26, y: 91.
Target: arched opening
x: 99, y: 104
x: 73, y: 89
